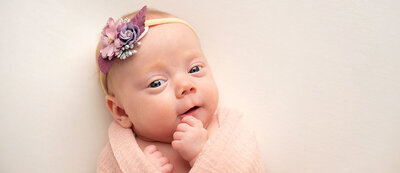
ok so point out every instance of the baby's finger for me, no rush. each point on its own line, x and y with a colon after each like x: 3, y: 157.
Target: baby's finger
x: 163, y: 160
x: 176, y: 145
x: 182, y: 127
x: 178, y: 135
x: 157, y: 154
x: 167, y: 168
x: 150, y: 149
x: 192, y: 121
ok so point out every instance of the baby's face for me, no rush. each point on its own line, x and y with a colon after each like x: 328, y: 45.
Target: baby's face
x: 168, y: 77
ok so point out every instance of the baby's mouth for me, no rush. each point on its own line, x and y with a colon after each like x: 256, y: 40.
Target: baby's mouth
x: 190, y: 111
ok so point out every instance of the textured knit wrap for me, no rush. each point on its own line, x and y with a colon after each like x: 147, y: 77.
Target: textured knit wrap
x: 232, y: 148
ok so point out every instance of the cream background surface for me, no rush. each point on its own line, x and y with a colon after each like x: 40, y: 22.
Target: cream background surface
x: 319, y: 80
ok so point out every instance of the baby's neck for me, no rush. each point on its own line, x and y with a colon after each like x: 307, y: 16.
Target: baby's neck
x: 143, y: 138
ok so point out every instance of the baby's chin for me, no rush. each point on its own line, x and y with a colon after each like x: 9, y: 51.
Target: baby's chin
x: 163, y: 138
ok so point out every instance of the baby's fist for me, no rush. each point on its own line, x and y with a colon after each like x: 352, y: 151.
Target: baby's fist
x: 189, y: 138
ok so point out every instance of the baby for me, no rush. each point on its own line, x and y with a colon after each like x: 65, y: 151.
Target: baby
x: 164, y: 101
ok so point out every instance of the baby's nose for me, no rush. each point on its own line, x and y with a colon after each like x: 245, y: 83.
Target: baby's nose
x: 185, y: 88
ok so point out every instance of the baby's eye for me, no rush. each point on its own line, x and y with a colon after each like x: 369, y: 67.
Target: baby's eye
x: 195, y: 69
x: 156, y: 83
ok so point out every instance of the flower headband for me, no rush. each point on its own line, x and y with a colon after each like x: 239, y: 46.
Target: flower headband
x: 119, y: 38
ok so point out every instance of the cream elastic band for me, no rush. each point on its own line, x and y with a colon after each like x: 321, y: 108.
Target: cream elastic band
x: 152, y: 22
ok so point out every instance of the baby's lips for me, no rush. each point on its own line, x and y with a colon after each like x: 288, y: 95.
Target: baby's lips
x: 185, y: 109
x: 190, y: 112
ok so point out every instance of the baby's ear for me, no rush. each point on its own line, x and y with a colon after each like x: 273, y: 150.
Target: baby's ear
x: 118, y: 112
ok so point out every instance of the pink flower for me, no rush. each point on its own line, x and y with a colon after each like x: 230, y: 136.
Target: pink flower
x: 109, y: 39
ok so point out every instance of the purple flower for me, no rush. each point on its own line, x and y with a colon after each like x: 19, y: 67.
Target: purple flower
x: 128, y: 34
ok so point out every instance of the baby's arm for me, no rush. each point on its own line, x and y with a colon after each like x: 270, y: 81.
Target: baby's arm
x: 189, y: 138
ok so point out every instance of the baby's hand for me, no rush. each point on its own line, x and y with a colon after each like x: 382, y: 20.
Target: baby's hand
x: 189, y: 138
x: 158, y: 159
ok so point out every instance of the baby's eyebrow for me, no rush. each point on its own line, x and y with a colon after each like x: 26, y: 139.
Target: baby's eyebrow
x: 157, y: 63
x: 149, y: 69
x: 160, y: 63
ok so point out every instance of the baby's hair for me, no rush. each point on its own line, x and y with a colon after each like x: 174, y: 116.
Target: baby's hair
x: 150, y: 14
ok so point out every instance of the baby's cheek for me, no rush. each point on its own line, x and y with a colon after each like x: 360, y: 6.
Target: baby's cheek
x: 164, y: 120
x: 158, y: 128
x: 213, y: 97
x: 212, y: 91
x: 156, y: 117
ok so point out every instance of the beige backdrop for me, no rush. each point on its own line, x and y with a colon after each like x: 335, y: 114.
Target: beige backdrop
x: 319, y: 80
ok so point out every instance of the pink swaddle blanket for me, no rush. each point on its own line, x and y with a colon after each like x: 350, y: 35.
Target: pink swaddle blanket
x: 232, y: 148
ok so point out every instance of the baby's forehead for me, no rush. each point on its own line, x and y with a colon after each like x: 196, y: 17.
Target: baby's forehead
x: 171, y: 33
x: 164, y: 46
x: 167, y: 41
